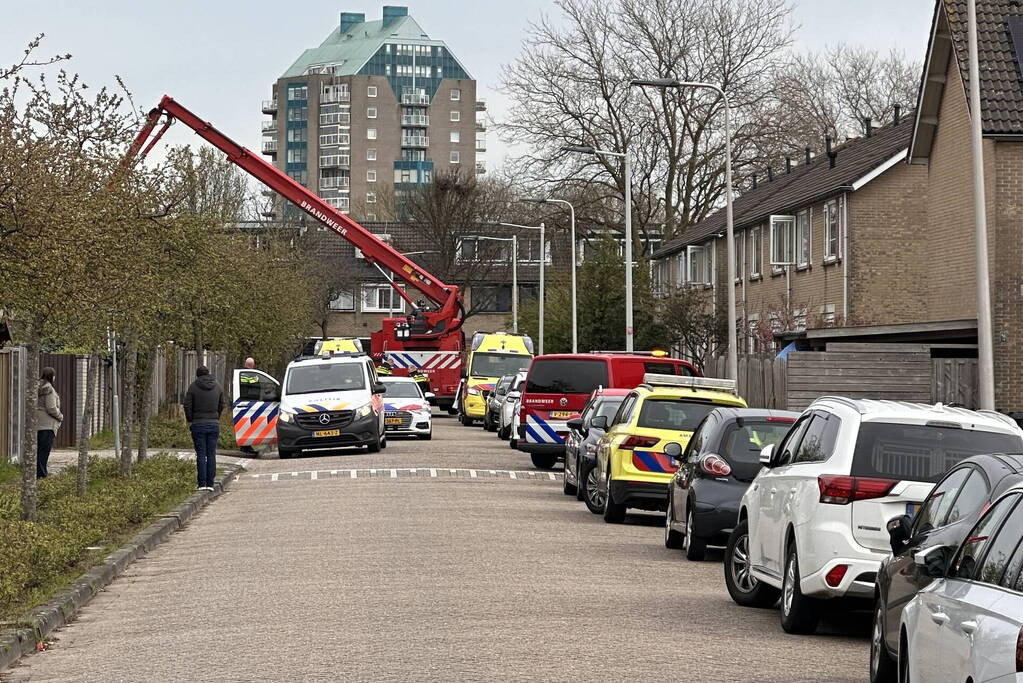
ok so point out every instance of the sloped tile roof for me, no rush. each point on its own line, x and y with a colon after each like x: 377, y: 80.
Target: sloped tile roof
x: 805, y: 185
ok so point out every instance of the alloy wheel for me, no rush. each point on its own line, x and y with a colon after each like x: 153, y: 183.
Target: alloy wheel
x: 876, y: 640
x: 788, y: 589
x: 689, y: 530
x: 593, y: 493
x: 667, y: 521
x: 740, y: 567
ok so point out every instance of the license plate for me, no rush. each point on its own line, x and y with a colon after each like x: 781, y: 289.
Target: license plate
x: 912, y: 509
x: 327, y: 432
x: 392, y: 420
x: 561, y: 414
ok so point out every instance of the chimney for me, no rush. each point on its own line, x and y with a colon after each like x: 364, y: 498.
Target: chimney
x: 754, y: 181
x: 868, y: 124
x: 809, y: 155
x: 770, y: 174
x: 788, y: 165
x: 830, y: 152
x: 351, y: 19
x: 394, y: 12
x: 897, y: 116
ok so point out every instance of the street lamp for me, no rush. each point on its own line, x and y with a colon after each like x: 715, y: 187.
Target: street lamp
x: 543, y: 258
x: 733, y: 360
x: 627, y: 162
x: 514, y: 239
x: 571, y: 214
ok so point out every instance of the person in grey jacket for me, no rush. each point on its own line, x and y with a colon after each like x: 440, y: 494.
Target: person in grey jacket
x: 48, y: 419
x: 204, y: 402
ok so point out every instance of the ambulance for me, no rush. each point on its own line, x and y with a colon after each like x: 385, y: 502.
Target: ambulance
x: 491, y: 356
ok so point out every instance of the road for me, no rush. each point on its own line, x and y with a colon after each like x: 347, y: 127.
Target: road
x: 305, y: 571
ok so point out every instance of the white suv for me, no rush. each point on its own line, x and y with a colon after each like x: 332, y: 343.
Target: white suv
x: 812, y: 525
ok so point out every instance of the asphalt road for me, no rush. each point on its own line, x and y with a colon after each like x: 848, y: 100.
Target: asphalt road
x: 444, y: 560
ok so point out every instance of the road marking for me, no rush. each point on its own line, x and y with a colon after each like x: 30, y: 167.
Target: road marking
x: 512, y: 475
x: 333, y: 472
x: 272, y: 478
x: 312, y: 475
x: 401, y: 472
x: 355, y: 474
x: 472, y: 474
x: 394, y: 474
x: 551, y: 475
x: 433, y: 472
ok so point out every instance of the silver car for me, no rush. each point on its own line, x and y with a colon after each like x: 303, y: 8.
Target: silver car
x: 968, y: 624
x: 494, y: 401
x: 508, y: 420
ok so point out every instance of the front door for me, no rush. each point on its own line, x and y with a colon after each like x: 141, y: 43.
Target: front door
x: 257, y: 398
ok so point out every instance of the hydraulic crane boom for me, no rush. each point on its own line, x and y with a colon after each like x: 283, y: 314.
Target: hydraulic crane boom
x: 445, y: 319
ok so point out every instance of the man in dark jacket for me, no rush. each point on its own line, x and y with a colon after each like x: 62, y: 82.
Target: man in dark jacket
x: 204, y: 402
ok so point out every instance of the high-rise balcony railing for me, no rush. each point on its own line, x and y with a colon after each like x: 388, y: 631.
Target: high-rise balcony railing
x: 268, y: 127
x: 481, y: 169
x: 415, y: 120
x: 415, y: 141
x: 481, y: 105
x: 415, y: 98
x: 481, y: 127
x: 337, y: 202
x: 333, y: 96
x: 270, y: 106
x: 337, y: 118
x: 481, y: 145
x: 269, y: 147
x: 334, y: 183
x: 335, y: 160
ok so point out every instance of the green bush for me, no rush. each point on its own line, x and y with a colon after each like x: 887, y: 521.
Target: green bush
x: 169, y: 432
x: 37, y: 558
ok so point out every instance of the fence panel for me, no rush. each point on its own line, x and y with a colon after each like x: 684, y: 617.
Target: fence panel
x: 65, y: 365
x: 954, y: 380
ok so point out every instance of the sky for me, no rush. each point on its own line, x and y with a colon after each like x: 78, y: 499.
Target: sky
x: 220, y: 58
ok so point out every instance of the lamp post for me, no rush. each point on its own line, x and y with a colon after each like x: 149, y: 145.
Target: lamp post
x: 627, y: 163
x: 543, y: 255
x: 514, y: 239
x: 733, y: 361
x: 571, y: 215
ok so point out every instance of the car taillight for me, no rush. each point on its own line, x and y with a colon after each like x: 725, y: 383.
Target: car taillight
x: 781, y: 419
x: 1019, y: 651
x: 635, y: 441
x: 842, y: 490
x: 715, y: 466
x: 836, y: 574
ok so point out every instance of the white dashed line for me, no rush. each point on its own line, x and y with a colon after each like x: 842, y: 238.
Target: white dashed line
x: 401, y: 472
x: 312, y: 475
x: 512, y: 475
x: 433, y: 472
x: 472, y: 474
x: 551, y: 475
x: 355, y: 474
x: 394, y: 474
x: 273, y: 477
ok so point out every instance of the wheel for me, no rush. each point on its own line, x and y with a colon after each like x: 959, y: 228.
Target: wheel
x: 503, y: 433
x: 452, y: 410
x: 425, y: 437
x: 694, y: 547
x: 903, y: 660
x: 566, y: 488
x: 799, y: 614
x: 580, y: 481
x: 514, y: 444
x: 883, y: 669
x: 383, y: 441
x: 614, y: 513
x: 672, y: 538
x: 543, y: 461
x: 744, y: 588
x: 285, y: 453
x: 374, y: 445
x: 593, y: 497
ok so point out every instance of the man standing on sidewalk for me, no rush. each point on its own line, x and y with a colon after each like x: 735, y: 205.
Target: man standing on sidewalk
x: 204, y: 402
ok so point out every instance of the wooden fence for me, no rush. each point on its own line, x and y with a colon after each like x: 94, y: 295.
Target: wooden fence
x: 762, y: 379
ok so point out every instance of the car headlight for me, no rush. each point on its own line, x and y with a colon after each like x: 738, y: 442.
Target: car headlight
x: 473, y: 391
x: 364, y: 410
x: 286, y: 415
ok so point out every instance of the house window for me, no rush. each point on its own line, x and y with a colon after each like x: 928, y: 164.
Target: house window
x: 753, y: 332
x: 783, y: 240
x: 698, y: 265
x: 480, y: 249
x: 832, y: 230
x: 456, y: 94
x: 370, y: 217
x: 455, y: 136
x: 456, y: 116
x: 371, y: 197
x: 455, y: 157
x: 529, y: 250
x: 298, y: 134
x: 371, y: 176
x: 680, y: 269
x: 827, y: 312
x: 371, y: 154
x: 798, y: 319
x: 755, y: 252
x: 740, y: 251
x: 803, y: 239
x: 371, y: 133
x: 344, y: 301
x: 301, y: 177
x: 371, y: 112
x: 371, y: 91
x: 381, y: 299
x: 298, y: 113
x: 298, y: 92
x: 297, y: 155
x: 387, y: 69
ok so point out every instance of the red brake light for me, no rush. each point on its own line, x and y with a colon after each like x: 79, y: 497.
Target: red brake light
x: 834, y: 577
x: 635, y: 441
x: 715, y: 466
x: 842, y: 490
x: 781, y: 419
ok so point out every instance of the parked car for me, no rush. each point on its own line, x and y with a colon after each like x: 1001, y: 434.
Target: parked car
x: 494, y: 401
x: 581, y: 447
x: 558, y: 385
x: 812, y: 525
x: 967, y: 625
x: 952, y: 508
x: 407, y: 409
x: 507, y: 425
x: 634, y: 465
x: 718, y: 464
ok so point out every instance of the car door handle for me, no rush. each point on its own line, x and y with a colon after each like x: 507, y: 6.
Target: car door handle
x: 969, y: 627
x: 774, y: 491
x: 939, y: 618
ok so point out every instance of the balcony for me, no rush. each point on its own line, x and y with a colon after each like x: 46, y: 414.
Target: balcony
x: 481, y: 169
x: 415, y: 141
x: 335, y: 160
x: 418, y: 99
x: 270, y: 106
x: 338, y: 202
x: 415, y: 120
x: 481, y: 127
x: 334, y: 96
x: 269, y: 147
x: 481, y: 145
x: 339, y: 118
x: 481, y: 105
x: 269, y: 127
x: 334, y: 183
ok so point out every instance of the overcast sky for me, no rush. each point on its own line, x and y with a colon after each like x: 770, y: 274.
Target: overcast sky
x: 220, y: 57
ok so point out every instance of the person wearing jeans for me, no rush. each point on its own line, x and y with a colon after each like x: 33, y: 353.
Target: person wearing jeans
x: 204, y: 403
x: 48, y: 420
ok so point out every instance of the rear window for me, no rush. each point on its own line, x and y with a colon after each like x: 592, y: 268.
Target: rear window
x: 741, y: 446
x: 608, y: 407
x: 659, y: 413
x: 922, y: 452
x: 568, y: 376
x: 663, y: 368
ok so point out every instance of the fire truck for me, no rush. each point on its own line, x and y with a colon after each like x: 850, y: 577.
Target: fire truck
x: 429, y: 340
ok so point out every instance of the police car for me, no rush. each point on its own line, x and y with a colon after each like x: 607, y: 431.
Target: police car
x: 406, y: 408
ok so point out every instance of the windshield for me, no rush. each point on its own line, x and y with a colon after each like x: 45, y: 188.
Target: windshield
x: 497, y: 364
x: 568, y: 376
x: 401, y: 390
x: 313, y: 379
x: 922, y: 452
x: 663, y: 413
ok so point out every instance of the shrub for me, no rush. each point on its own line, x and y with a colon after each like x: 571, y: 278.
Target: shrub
x: 170, y: 432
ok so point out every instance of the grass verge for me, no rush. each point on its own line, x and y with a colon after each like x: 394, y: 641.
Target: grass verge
x: 38, y: 559
x: 170, y: 432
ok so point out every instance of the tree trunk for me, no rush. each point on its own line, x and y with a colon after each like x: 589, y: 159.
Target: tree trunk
x: 86, y: 424
x: 128, y: 407
x: 28, y: 456
x: 146, y: 409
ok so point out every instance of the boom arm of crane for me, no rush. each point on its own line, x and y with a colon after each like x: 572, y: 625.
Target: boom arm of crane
x: 449, y: 311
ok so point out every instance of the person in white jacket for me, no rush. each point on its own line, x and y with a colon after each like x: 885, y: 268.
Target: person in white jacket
x: 48, y: 419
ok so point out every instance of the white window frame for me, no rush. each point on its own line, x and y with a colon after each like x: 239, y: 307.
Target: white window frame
x: 371, y: 112
x: 455, y: 136
x: 456, y: 115
x: 804, y: 238
x: 833, y: 230
x: 783, y: 241
x: 370, y: 217
x: 371, y: 197
x: 344, y: 301
x: 456, y: 94
x: 698, y: 265
x: 455, y: 157
x: 371, y: 154
x: 369, y: 299
x: 680, y: 268
x: 371, y: 176
x: 740, y: 256
x: 383, y: 237
x: 371, y: 133
x: 371, y: 91
x: 752, y: 327
x: 757, y: 252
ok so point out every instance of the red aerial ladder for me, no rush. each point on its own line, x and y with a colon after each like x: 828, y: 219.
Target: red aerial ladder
x: 430, y: 340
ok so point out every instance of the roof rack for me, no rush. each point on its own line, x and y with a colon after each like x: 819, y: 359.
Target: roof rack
x: 653, y: 379
x: 330, y: 354
x: 655, y: 354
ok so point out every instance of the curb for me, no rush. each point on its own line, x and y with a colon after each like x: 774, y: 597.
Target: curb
x: 65, y: 605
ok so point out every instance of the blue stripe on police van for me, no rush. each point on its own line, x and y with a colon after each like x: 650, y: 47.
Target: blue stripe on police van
x: 412, y: 361
x: 550, y: 430
x: 543, y: 433
x: 535, y: 437
x: 258, y: 410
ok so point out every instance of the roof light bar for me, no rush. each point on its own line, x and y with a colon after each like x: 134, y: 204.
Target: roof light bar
x: 654, y: 379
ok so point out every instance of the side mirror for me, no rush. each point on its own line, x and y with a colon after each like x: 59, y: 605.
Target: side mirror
x: 933, y: 562
x: 512, y: 395
x: 379, y: 388
x: 599, y: 422
x: 575, y: 423
x: 766, y: 454
x: 430, y: 394
x: 673, y: 450
x: 899, y: 530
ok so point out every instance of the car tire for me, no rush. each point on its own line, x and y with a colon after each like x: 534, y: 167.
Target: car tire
x: 285, y: 453
x: 503, y: 433
x: 614, y: 513
x: 374, y: 445
x: 425, y: 437
x: 883, y: 669
x: 744, y: 588
x: 799, y: 614
x: 672, y: 538
x: 592, y: 496
x: 543, y: 460
x: 580, y: 483
x: 903, y: 660
x: 693, y: 546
